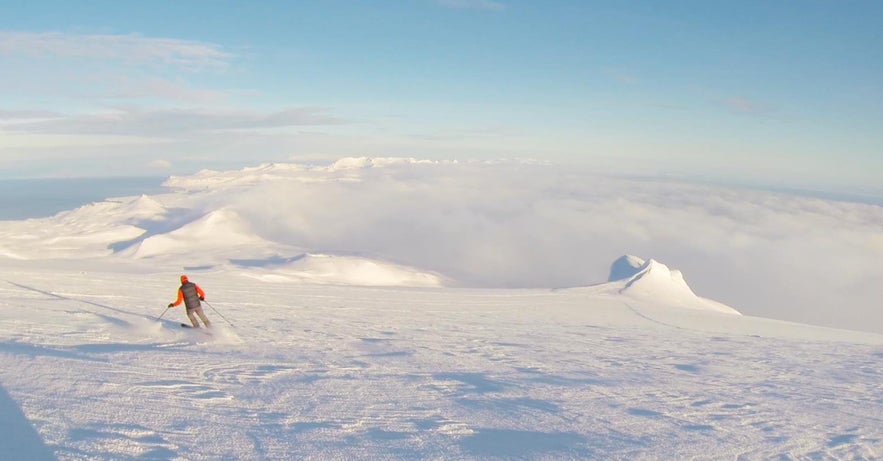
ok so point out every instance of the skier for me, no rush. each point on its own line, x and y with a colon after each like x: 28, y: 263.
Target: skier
x: 191, y: 295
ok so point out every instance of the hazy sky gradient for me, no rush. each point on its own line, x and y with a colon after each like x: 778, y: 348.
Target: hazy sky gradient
x: 775, y: 92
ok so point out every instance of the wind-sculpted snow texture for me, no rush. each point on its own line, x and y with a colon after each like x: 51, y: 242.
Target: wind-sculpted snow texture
x: 335, y: 372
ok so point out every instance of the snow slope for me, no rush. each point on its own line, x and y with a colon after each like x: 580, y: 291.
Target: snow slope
x: 145, y: 231
x: 323, y: 349
x: 341, y: 270
x: 218, y: 229
x: 335, y: 372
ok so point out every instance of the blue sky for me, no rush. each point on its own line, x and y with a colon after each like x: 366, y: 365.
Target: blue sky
x: 753, y: 91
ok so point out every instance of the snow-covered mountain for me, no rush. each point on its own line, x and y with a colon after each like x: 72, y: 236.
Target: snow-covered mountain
x: 218, y: 231
x: 209, y: 222
x: 326, y: 345
x: 145, y: 230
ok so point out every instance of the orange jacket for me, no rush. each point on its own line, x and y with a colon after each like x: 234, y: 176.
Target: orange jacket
x: 181, y: 295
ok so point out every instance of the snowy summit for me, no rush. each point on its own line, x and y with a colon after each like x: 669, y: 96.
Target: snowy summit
x: 653, y: 281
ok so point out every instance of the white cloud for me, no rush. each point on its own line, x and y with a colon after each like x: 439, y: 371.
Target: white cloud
x: 11, y: 116
x: 172, y: 122
x: 102, y: 70
x: 62, y: 145
x: 472, y: 4
x: 160, y: 164
x: 125, y: 87
x: 521, y: 225
x: 621, y: 75
x: 131, y: 49
x: 518, y: 224
x: 745, y: 106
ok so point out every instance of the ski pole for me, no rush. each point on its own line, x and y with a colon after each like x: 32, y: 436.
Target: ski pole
x: 163, y: 313
x: 216, y: 312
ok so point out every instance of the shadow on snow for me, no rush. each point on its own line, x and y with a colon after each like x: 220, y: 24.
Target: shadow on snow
x: 18, y: 439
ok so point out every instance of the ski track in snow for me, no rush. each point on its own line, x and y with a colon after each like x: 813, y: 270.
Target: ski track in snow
x: 334, y: 372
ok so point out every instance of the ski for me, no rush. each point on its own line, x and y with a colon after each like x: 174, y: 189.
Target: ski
x: 201, y: 330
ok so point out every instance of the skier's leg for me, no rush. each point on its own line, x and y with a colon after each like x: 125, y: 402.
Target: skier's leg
x: 201, y: 315
x: 192, y: 318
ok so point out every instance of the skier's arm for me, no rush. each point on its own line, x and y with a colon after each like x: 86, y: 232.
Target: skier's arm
x: 199, y: 292
x: 180, y: 298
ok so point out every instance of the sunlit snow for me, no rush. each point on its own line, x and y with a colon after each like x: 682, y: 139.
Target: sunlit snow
x: 325, y: 346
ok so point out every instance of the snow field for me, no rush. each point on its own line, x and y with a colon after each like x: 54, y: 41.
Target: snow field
x: 337, y: 372
x: 353, y: 336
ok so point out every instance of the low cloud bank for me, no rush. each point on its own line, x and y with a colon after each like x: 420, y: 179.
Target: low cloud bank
x: 512, y: 224
x: 528, y: 225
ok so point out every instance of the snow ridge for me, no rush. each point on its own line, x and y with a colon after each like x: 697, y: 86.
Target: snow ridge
x: 648, y: 280
x: 223, y: 228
